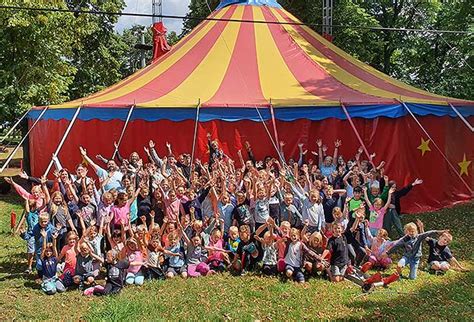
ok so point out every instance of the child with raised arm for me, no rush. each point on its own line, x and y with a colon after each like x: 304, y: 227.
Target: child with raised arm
x: 49, y: 258
x: 440, y: 258
x: 377, y: 210
x: 269, y: 248
x: 295, y: 252
x: 411, y: 244
x: 175, y: 257
x: 42, y: 225
x: 338, y: 249
x: 313, y: 210
x: 196, y: 256
x: 37, y: 193
x: 31, y: 218
x: 85, y: 272
x: 116, y: 272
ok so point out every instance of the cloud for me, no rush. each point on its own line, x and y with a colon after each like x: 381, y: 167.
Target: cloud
x: 170, y: 7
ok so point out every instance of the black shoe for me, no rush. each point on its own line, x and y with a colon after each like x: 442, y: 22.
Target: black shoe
x: 368, y: 288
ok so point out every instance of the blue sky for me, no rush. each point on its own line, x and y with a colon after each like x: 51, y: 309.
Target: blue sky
x: 170, y: 7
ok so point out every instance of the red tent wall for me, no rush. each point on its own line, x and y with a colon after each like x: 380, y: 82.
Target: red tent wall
x: 393, y: 140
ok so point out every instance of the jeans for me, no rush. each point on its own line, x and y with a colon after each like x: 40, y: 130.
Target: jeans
x: 392, y: 218
x: 413, y: 262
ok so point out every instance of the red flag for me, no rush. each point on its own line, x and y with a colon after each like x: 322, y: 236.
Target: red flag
x: 12, y: 219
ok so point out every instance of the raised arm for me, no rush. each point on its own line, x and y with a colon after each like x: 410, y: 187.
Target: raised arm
x: 319, y: 143
x: 337, y: 144
x: 89, y: 160
x: 389, y: 198
x: 366, y: 197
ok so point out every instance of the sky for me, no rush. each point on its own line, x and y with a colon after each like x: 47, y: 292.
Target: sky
x: 170, y: 7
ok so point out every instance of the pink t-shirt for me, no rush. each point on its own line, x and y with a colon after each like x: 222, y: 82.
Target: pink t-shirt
x: 216, y: 255
x: 376, y: 217
x: 172, y: 209
x: 120, y: 214
x: 135, y: 257
x: 69, y: 253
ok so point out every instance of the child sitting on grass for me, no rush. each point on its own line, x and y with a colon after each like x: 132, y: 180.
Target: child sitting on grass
x: 440, y: 258
x: 411, y: 243
x: 49, y: 258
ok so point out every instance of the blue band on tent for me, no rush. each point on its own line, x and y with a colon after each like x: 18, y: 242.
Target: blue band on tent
x: 313, y: 113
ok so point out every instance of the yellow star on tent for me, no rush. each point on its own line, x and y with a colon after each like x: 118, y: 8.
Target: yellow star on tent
x: 464, y: 165
x: 424, y: 146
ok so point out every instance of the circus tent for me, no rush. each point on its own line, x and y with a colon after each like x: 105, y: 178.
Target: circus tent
x: 255, y: 73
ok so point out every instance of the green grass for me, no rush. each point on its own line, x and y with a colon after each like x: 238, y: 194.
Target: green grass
x: 223, y: 297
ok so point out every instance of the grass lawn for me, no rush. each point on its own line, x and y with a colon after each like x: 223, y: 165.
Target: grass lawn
x: 449, y: 297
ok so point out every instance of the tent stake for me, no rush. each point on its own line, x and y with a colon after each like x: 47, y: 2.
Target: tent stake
x: 10, y: 157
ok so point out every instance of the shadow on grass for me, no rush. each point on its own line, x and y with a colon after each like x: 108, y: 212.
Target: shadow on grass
x: 439, y: 298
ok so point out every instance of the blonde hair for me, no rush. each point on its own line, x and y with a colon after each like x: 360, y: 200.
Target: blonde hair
x: 43, y: 216
x: 54, y: 207
x: 410, y: 226
x: 285, y: 224
x: 337, y: 211
x: 316, y: 239
x: 383, y: 233
x: 233, y: 229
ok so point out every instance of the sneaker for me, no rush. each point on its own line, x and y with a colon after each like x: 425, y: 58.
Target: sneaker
x: 367, y: 288
x: 243, y: 273
x: 28, y: 271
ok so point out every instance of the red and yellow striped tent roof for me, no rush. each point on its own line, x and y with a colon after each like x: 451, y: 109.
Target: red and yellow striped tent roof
x: 244, y: 64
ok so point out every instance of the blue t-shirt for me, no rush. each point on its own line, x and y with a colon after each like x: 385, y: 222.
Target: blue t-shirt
x: 50, y: 266
x: 114, y: 182
x: 326, y: 171
x: 31, y: 221
x: 175, y: 261
x: 39, y: 238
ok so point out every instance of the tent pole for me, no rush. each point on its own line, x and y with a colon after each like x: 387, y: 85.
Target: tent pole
x: 437, y: 147
x: 123, y: 131
x: 271, y: 138
x: 10, y: 157
x: 462, y: 117
x: 274, y: 123
x: 196, y: 122
x: 14, y: 126
x: 359, y: 138
x: 63, y: 139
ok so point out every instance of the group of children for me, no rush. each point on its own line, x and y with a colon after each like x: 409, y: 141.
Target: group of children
x: 167, y: 217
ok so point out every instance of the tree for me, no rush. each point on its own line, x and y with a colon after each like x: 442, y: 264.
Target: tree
x: 198, y: 9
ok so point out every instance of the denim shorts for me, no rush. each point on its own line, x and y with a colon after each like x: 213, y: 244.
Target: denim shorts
x: 30, y: 245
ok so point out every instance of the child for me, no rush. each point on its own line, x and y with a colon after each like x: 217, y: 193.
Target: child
x: 121, y: 211
x: 337, y: 247
x: 85, y: 272
x: 60, y: 217
x: 233, y: 241
x: 246, y: 253
x: 269, y: 249
x: 440, y: 257
x: 175, y: 257
x: 68, y: 253
x: 196, y: 257
x: 241, y: 213
x: 377, y: 210
x: 378, y: 245
x: 42, y: 225
x: 49, y: 257
x: 87, y: 213
x: 217, y: 253
x: 316, y: 243
x: 154, y: 258
x: 116, y: 271
x: 32, y: 215
x: 411, y: 244
x: 260, y: 200
x: 135, y: 260
x: 313, y: 210
x: 288, y: 211
x: 295, y: 252
x: 340, y: 217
